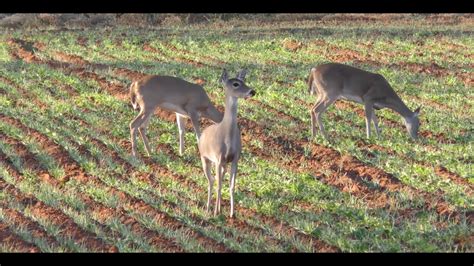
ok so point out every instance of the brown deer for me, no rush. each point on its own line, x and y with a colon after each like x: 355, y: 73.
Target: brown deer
x: 221, y: 143
x: 334, y: 81
x: 174, y: 94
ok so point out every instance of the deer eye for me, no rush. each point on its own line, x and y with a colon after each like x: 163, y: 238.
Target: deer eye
x: 235, y: 84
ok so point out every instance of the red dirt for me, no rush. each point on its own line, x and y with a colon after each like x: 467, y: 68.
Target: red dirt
x: 33, y: 227
x: 389, y: 183
x: 24, y: 93
x: 60, y: 155
x: 183, y: 59
x: 443, y: 172
x: 8, y: 238
x: 68, y: 227
x: 215, y: 61
x: 69, y: 89
x: 351, y: 185
x: 73, y: 59
x: 344, y: 55
x: 292, y: 45
x: 82, y: 41
x: 133, y: 75
x: 147, y: 47
x: 434, y: 70
x: 21, y: 150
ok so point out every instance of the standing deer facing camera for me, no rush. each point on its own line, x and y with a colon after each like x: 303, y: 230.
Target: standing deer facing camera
x: 221, y: 144
x: 334, y: 81
x: 174, y: 94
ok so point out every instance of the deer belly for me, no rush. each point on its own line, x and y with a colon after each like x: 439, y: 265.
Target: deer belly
x: 353, y: 98
x: 174, y: 108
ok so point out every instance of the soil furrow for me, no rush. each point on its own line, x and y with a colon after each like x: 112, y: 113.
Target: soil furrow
x: 68, y: 227
x: 349, y: 179
x: 33, y: 227
x: 14, y: 242
x: 347, y: 172
x: 74, y: 171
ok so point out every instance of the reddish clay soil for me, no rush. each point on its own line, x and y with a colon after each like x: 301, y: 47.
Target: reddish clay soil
x: 216, y: 62
x: 68, y: 227
x: 344, y: 55
x: 442, y: 171
x: 292, y: 45
x: 24, y: 94
x: 160, y: 170
x: 15, y: 242
x: 353, y: 177
x: 183, y: 59
x: 60, y: 155
x: 439, y: 137
x: 147, y: 47
x: 347, y: 184
x: 82, y: 41
x: 434, y: 69
x: 69, y: 89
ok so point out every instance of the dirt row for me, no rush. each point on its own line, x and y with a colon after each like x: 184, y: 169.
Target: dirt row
x: 21, y: 221
x: 367, y: 148
x: 15, y: 242
x: 334, y: 50
x: 350, y: 172
x: 343, y: 55
x: 74, y: 171
x: 116, y: 157
x: 169, y: 117
x: 240, y: 223
x: 67, y: 226
x: 356, y: 183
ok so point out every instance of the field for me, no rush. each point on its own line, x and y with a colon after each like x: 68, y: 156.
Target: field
x: 69, y: 184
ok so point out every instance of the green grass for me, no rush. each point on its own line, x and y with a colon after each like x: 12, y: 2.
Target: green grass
x: 293, y: 196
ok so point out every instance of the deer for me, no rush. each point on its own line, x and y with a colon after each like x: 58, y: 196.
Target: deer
x: 187, y: 100
x: 220, y: 144
x: 333, y: 81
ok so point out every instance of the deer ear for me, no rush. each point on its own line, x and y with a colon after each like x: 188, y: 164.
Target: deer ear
x: 242, y: 74
x: 224, y: 76
x: 417, y: 111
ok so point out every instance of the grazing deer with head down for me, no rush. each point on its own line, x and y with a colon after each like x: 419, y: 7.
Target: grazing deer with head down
x: 221, y: 143
x: 334, y: 81
x: 174, y: 94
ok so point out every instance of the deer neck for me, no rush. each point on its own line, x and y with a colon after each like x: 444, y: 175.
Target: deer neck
x: 229, y: 122
x: 399, y: 106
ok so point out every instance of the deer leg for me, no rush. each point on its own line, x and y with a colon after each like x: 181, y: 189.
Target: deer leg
x: 134, y: 125
x: 206, y: 165
x: 313, y: 117
x: 180, y: 120
x: 368, y: 116
x: 142, y: 130
x: 219, y: 172
x: 196, y: 124
x: 319, y: 110
x: 376, y: 123
x: 233, y: 174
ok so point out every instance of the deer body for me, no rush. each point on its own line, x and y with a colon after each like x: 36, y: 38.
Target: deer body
x: 335, y: 81
x: 221, y: 144
x: 186, y: 99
